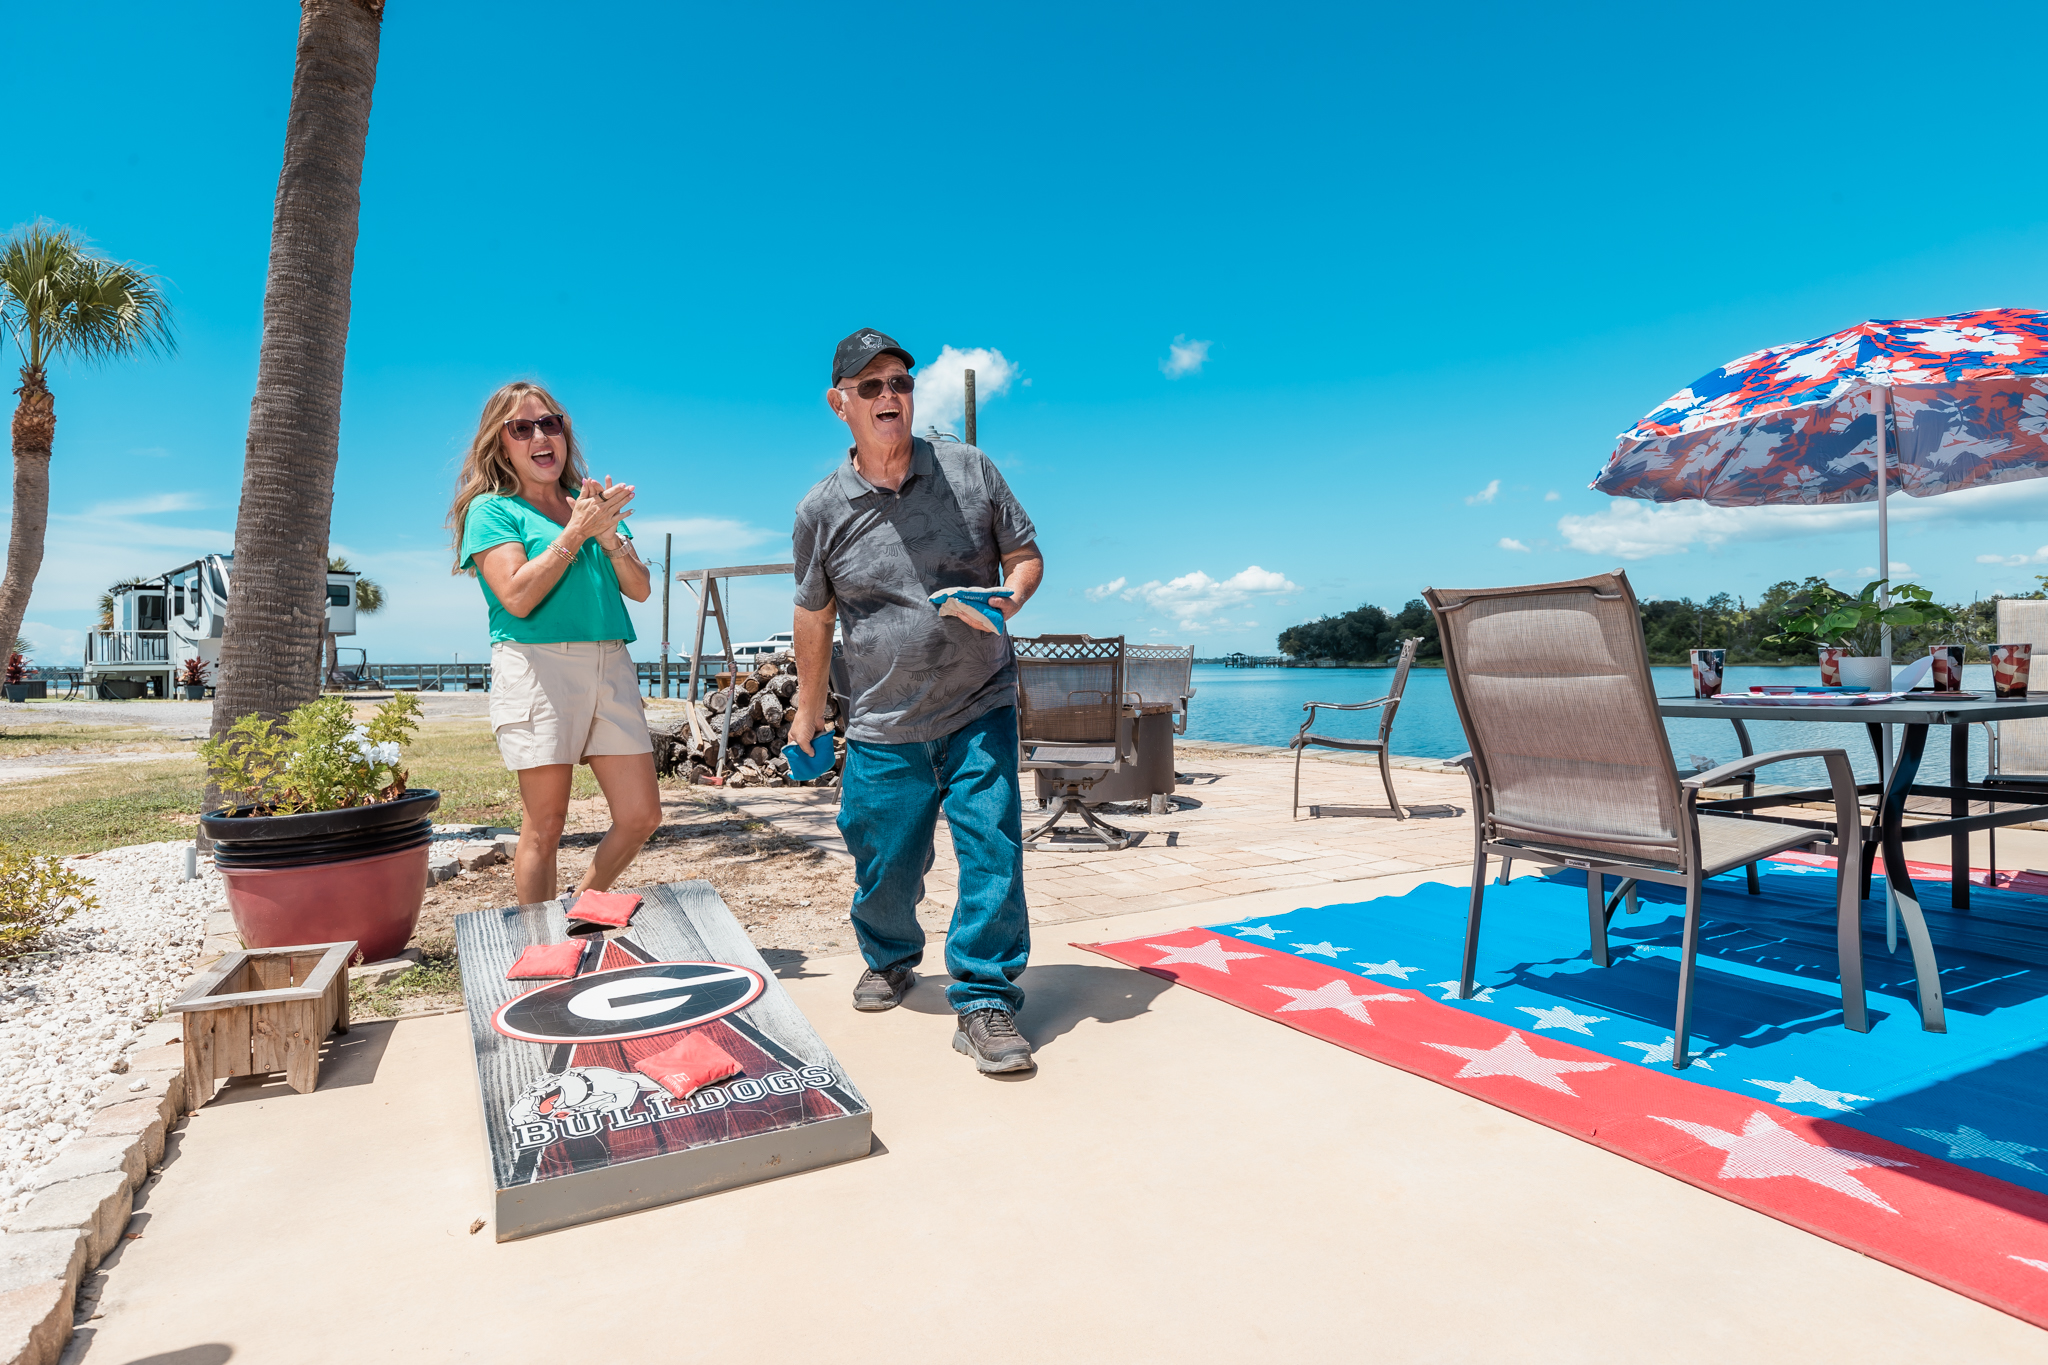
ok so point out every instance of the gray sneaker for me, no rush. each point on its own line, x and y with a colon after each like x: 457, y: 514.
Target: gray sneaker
x: 877, y: 991
x: 990, y: 1037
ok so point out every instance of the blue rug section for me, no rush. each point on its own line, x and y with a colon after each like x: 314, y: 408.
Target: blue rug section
x: 1767, y: 1017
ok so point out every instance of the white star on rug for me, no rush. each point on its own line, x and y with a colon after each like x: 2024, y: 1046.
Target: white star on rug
x: 1799, y: 1090
x: 1513, y: 1057
x: 1557, y: 1016
x: 1334, y: 996
x: 2028, y: 1260
x: 1764, y: 1149
x: 1967, y: 1144
x: 1262, y: 930
x: 1323, y: 948
x: 1212, y: 955
x: 1654, y: 1053
x: 1387, y: 968
x: 1482, y: 996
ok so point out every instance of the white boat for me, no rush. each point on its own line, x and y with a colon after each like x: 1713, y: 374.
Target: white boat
x: 758, y: 650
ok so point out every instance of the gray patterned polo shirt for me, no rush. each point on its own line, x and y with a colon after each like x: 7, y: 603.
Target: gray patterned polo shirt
x: 916, y: 675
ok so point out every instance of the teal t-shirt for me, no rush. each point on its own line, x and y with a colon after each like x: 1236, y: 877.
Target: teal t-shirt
x: 584, y: 605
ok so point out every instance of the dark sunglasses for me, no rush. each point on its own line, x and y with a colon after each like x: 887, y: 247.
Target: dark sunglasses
x: 522, y: 428
x: 897, y: 383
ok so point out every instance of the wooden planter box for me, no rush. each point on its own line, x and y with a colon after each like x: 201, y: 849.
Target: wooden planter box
x: 262, y: 1010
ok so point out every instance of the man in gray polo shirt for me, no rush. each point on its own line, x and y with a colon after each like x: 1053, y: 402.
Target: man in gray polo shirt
x: 933, y: 723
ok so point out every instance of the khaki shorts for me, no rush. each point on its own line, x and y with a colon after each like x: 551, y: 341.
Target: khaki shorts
x: 563, y: 703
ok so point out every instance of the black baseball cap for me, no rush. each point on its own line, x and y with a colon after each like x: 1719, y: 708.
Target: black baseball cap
x: 863, y: 346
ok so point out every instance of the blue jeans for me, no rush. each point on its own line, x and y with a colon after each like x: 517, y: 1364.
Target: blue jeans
x: 889, y: 811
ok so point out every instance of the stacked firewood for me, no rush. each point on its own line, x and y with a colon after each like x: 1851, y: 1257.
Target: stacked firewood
x: 754, y: 715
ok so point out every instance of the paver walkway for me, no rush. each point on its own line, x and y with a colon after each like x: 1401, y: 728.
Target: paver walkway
x: 1231, y: 836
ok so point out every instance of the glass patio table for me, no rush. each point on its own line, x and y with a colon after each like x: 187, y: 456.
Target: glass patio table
x: 1892, y: 832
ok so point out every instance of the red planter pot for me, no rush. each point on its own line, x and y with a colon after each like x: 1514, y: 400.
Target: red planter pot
x: 375, y: 901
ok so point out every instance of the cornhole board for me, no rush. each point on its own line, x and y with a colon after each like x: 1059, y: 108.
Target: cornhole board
x: 575, y: 1133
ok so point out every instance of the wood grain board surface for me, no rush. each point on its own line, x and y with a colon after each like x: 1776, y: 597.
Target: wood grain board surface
x: 574, y: 1131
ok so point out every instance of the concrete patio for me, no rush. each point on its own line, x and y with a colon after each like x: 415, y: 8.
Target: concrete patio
x: 1179, y: 1181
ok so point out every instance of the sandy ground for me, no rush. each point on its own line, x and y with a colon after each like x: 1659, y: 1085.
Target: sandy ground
x: 792, y: 898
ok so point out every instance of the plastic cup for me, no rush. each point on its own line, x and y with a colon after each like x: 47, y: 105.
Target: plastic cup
x: 1831, y: 665
x: 2009, y: 665
x: 1947, y: 675
x: 1707, y: 667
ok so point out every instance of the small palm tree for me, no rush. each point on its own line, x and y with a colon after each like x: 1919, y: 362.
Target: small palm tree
x: 60, y: 299
x: 369, y: 598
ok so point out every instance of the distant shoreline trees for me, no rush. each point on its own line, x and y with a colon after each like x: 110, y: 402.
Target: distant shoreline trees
x: 1672, y: 628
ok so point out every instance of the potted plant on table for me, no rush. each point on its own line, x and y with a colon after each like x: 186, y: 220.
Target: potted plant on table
x: 193, y: 679
x: 323, y: 840
x: 1829, y: 618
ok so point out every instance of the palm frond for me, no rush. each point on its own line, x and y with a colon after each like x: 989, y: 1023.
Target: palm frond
x: 59, y: 297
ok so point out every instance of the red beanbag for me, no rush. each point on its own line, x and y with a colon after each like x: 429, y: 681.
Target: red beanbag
x: 609, y: 908
x: 694, y: 1062
x: 547, y: 959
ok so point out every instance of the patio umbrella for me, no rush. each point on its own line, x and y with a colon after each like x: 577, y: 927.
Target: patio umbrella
x: 1927, y: 405
x: 1962, y: 400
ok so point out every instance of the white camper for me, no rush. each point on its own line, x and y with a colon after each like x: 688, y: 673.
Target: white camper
x: 162, y: 623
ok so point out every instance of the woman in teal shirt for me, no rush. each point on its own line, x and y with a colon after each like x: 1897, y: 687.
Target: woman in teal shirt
x: 556, y: 560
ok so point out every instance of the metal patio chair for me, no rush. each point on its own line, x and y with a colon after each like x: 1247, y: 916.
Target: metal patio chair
x: 1161, y: 675
x: 1071, y: 727
x: 1391, y: 703
x: 2018, y: 749
x: 1570, y: 767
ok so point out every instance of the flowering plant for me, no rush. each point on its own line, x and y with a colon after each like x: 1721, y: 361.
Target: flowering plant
x: 317, y: 758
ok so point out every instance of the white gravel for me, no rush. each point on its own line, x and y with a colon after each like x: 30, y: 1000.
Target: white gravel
x: 70, y: 1012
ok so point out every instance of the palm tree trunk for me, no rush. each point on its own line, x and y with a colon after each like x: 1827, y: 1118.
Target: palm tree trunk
x: 277, y: 601
x: 35, y: 430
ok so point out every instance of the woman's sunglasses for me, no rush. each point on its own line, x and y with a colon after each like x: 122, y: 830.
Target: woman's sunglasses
x: 896, y: 383
x: 522, y: 428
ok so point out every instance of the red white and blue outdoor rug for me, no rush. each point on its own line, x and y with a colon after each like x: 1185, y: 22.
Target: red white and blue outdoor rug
x: 1927, y: 1151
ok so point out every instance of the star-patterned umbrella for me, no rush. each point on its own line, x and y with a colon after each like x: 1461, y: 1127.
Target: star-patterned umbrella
x: 1963, y: 401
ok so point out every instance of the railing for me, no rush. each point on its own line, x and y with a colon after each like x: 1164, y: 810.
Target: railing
x: 111, y: 647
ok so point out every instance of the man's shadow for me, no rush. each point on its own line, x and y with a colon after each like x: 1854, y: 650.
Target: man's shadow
x: 1058, y: 995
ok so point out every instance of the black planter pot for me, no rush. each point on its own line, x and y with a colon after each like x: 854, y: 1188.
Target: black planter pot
x: 241, y: 839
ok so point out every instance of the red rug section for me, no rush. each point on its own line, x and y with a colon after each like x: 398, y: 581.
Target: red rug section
x: 1970, y: 1232
x: 2031, y: 883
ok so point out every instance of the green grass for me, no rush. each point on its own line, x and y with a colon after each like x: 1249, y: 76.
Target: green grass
x: 137, y: 803
x: 62, y: 737
x: 103, y: 807
x: 437, y: 980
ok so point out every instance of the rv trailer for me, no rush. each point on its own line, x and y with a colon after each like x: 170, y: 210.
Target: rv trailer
x: 161, y: 623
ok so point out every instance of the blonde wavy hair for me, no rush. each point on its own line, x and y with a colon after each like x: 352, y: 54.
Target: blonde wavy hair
x: 488, y: 466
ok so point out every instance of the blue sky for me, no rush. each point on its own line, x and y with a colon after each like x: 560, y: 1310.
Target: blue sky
x: 1420, y: 268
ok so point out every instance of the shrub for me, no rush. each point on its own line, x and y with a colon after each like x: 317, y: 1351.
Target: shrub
x: 317, y: 758
x: 195, y: 672
x: 17, y: 668
x: 37, y: 893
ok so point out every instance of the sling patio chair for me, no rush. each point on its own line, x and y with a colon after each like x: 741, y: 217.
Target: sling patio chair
x: 1071, y: 727
x: 1161, y: 676
x: 1390, y: 704
x: 1570, y: 767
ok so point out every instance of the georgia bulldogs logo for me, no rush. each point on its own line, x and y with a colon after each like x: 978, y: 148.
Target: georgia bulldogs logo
x: 629, y: 1002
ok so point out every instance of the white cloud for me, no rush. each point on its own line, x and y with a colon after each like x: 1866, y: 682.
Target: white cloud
x: 1103, y: 591
x: 698, y: 535
x: 53, y: 643
x: 1195, y: 596
x: 941, y: 398
x: 1552, y: 496
x: 1486, y: 494
x: 152, y: 505
x: 1184, y: 357
x: 1510, y: 543
x: 1898, y: 570
x: 1630, y: 528
x: 2039, y: 556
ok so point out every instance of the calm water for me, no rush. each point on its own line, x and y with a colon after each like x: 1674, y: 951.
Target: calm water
x: 1263, y: 706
